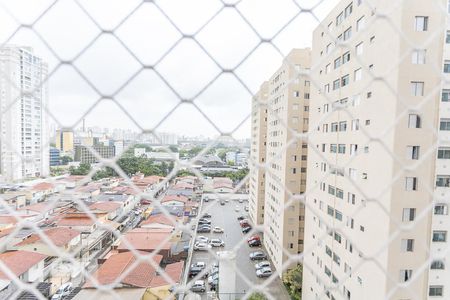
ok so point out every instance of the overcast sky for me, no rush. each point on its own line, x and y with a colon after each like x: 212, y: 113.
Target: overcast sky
x: 107, y: 64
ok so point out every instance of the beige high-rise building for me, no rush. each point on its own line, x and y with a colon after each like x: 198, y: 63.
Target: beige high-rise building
x: 377, y: 119
x: 258, y: 155
x: 64, y: 141
x: 287, y: 116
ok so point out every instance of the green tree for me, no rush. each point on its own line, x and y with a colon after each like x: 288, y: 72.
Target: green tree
x: 173, y: 148
x: 257, y: 296
x: 65, y: 159
x: 82, y: 169
x: 292, y: 279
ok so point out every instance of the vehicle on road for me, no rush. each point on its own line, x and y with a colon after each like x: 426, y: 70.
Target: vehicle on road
x: 240, y: 218
x: 254, y: 243
x: 246, y: 229
x: 263, y: 264
x: 212, y: 278
x: 203, y: 229
x: 244, y: 223
x: 222, y: 202
x: 199, y: 286
x: 236, y: 208
x: 198, y: 264
x: 246, y: 208
x: 217, y: 243
x: 253, y: 237
x: 218, y: 229
x: 264, y: 272
x: 258, y: 255
x: 204, y: 221
x: 227, y: 200
x: 201, y: 247
x: 202, y: 238
x: 213, y: 285
x: 194, y: 271
x: 214, y: 271
x: 206, y: 215
x: 241, y: 200
x: 63, y: 291
x: 206, y: 199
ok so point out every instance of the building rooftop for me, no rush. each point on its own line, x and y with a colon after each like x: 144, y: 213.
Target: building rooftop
x: 106, y: 206
x: 147, y: 239
x: 160, y: 219
x: 60, y: 236
x: 43, y: 186
x: 181, y: 198
x: 174, y: 271
x: 137, y: 275
x: 18, y: 262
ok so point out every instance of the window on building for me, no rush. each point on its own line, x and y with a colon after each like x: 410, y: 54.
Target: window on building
x: 339, y: 18
x: 444, y: 153
x: 348, y: 10
x: 421, y: 23
x: 444, y: 124
x: 405, y: 275
x: 411, y: 183
x: 327, y: 88
x: 447, y: 37
x: 414, y: 121
x: 336, y: 84
x: 436, y: 290
x: 437, y: 265
x: 447, y: 66
x: 346, y: 57
x: 409, y: 214
x: 360, y: 23
x: 343, y: 126
x: 327, y: 68
x: 337, y: 62
x: 337, y: 237
x: 417, y: 88
x: 345, y: 80
x: 412, y: 152
x: 445, y: 95
x: 341, y: 148
x: 347, y: 34
x: 418, y: 56
x: 355, y: 125
x: 339, y: 193
x: 333, y: 148
x: 407, y: 245
x: 359, y: 49
x: 439, y: 236
x: 296, y: 94
x: 443, y: 180
x: 441, y: 209
x: 358, y: 74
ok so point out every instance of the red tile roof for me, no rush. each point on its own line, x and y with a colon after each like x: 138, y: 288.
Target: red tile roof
x: 13, y: 219
x: 19, y: 262
x: 41, y: 207
x: 147, y: 239
x: 107, y: 206
x: 181, y: 198
x: 60, y: 236
x: 43, y: 186
x: 161, y: 219
x: 174, y: 271
x: 76, y: 221
x: 140, y: 275
x: 183, y: 186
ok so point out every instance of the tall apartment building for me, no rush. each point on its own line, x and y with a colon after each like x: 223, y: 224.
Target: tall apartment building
x: 375, y: 163
x: 24, y: 151
x: 258, y: 155
x: 64, y: 140
x: 288, y: 108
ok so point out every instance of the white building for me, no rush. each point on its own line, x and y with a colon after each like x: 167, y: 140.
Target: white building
x: 23, y: 95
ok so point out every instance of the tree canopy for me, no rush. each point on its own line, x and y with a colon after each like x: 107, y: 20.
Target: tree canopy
x: 292, y: 279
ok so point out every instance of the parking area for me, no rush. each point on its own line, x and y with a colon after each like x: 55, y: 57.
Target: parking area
x: 225, y: 216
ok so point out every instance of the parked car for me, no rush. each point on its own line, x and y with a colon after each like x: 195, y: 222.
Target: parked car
x: 264, y: 272
x: 258, y: 255
x: 206, y: 199
x: 254, y: 243
x: 241, y: 200
x: 218, y: 229
x: 246, y: 229
x: 206, y: 215
x: 203, y: 229
x: 263, y: 264
x: 222, y: 202
x: 212, y: 278
x: 194, y: 271
x: 214, y: 271
x: 240, y: 218
x: 246, y: 208
x: 217, y: 243
x: 204, y: 221
x: 198, y: 264
x: 244, y: 223
x: 213, y: 285
x: 202, y: 238
x: 199, y: 286
x: 201, y: 247
x: 236, y: 208
x: 63, y: 291
x: 253, y: 237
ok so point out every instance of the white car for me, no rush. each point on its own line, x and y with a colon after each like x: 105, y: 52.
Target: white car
x: 202, y: 239
x: 264, y: 272
x: 216, y: 243
x: 63, y: 291
x: 236, y: 208
x: 199, y: 286
x: 218, y: 229
x: 263, y: 264
x: 202, y: 247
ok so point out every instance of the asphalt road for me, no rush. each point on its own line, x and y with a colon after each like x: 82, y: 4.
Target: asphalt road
x: 226, y: 217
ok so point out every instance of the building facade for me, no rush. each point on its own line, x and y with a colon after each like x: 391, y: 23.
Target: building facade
x: 285, y: 177
x: 55, y: 157
x: 85, y: 155
x: 64, y: 141
x: 258, y: 155
x: 23, y: 95
x: 375, y: 163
